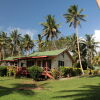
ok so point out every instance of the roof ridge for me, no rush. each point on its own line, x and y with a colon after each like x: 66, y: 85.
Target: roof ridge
x: 51, y: 50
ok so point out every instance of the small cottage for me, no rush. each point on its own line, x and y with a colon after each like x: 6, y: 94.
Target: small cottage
x: 46, y: 59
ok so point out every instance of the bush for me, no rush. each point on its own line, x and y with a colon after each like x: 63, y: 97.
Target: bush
x: 96, y: 72
x: 70, y: 71
x: 55, y: 73
x: 11, y: 71
x: 88, y: 72
x: 79, y: 71
x: 3, y: 70
x: 35, y: 72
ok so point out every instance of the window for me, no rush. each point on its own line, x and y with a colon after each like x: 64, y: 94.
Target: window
x: 63, y: 54
x: 60, y: 63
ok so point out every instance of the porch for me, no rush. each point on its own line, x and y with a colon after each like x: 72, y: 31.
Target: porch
x: 44, y: 62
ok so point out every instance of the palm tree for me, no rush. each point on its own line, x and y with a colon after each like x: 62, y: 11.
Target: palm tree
x: 50, y: 30
x: 15, y: 39
x: 74, y: 17
x: 28, y: 44
x: 3, y: 44
x: 40, y: 42
x: 91, y: 46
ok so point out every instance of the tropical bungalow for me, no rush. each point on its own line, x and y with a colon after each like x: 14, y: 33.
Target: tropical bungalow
x: 46, y: 59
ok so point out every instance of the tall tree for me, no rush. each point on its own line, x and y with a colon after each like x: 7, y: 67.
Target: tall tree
x: 28, y: 43
x: 91, y: 46
x: 74, y: 17
x: 3, y: 44
x: 50, y: 30
x: 40, y: 42
x: 15, y: 41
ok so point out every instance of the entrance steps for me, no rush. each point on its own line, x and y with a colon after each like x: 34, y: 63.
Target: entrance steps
x: 48, y: 74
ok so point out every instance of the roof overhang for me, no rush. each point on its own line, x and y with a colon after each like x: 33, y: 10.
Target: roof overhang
x: 32, y: 57
x: 8, y: 60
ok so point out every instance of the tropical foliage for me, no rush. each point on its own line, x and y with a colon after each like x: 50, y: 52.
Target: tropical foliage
x: 83, y: 50
x: 74, y: 18
x: 14, y: 44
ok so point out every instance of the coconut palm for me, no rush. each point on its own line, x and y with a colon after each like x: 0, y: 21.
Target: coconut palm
x: 3, y: 44
x: 28, y: 44
x: 40, y: 42
x: 74, y: 17
x: 91, y: 46
x: 15, y: 39
x: 50, y: 30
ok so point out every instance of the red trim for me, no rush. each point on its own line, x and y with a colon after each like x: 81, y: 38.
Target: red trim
x: 40, y: 57
x: 7, y: 60
x: 32, y: 57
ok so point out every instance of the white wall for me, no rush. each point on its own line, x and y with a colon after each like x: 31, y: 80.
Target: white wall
x: 67, y: 60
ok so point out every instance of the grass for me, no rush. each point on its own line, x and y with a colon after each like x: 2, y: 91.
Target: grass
x: 85, y: 88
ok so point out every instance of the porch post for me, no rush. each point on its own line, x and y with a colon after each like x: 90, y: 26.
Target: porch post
x: 36, y: 62
x: 41, y: 63
x: 46, y: 66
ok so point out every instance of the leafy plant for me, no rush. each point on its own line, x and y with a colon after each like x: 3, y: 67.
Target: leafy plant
x: 55, y: 73
x: 70, y: 71
x: 11, y: 71
x: 3, y: 70
x: 35, y: 72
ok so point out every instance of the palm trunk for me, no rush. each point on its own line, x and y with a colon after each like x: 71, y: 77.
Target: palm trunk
x: 0, y: 55
x: 79, y: 50
x: 27, y: 52
x: 53, y: 43
x: 91, y: 58
x: 3, y: 53
x: 12, y: 52
x: 19, y: 51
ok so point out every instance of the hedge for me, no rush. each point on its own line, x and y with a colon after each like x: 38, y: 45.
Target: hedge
x: 70, y: 71
x: 3, y: 70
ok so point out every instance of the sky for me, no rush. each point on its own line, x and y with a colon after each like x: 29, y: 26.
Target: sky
x: 27, y: 15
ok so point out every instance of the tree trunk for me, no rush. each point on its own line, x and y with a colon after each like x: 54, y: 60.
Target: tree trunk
x: 27, y: 51
x: 91, y: 57
x: 79, y: 50
x: 0, y: 55
x: 53, y: 43
x: 3, y: 53
x: 12, y: 52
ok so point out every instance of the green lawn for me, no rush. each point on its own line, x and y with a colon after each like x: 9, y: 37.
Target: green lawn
x: 86, y: 88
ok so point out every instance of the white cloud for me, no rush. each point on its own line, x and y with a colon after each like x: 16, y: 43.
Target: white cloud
x: 32, y: 32
x: 97, y: 38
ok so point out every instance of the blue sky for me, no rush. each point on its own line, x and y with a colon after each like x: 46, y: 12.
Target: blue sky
x: 26, y: 15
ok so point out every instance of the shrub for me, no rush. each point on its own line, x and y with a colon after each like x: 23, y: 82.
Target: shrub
x: 35, y: 72
x: 96, y: 72
x: 88, y: 72
x: 55, y: 73
x: 11, y: 71
x: 3, y: 70
x: 63, y: 71
x: 79, y: 71
x: 70, y: 71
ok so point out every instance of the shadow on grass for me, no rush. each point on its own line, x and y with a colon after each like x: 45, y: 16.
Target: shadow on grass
x: 23, y: 89
x: 5, y: 79
x: 89, y: 76
x: 88, y: 92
